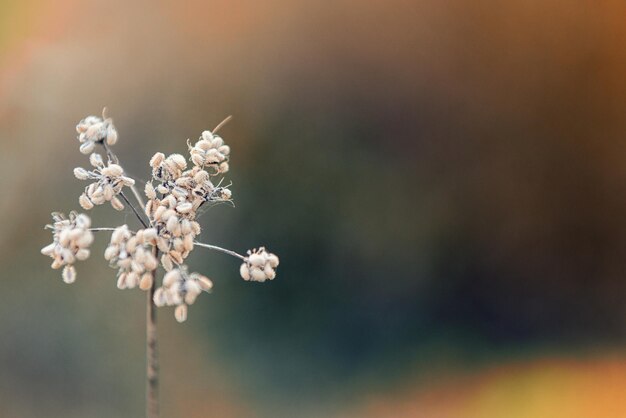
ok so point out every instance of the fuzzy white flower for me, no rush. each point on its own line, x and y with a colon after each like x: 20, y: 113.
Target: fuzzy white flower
x: 72, y: 239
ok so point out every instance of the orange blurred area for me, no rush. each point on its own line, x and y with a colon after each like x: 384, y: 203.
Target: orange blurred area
x: 444, y: 183
x: 551, y: 387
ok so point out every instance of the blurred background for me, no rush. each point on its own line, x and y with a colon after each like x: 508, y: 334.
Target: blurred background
x: 444, y: 183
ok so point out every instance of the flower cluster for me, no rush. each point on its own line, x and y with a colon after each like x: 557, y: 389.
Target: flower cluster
x: 176, y: 194
x: 109, y: 181
x: 132, y: 254
x: 181, y: 289
x: 259, y: 266
x: 93, y: 130
x: 173, y: 214
x: 72, y: 239
x: 210, y: 151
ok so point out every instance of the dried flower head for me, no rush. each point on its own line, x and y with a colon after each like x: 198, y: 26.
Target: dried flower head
x: 210, y: 151
x: 93, y: 130
x: 259, y: 266
x: 132, y: 254
x: 109, y: 181
x: 71, y: 241
x: 176, y: 194
x: 181, y: 289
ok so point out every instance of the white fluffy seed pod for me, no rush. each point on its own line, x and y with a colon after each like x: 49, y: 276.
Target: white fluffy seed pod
x: 117, y: 204
x: 146, y: 281
x: 149, y: 191
x: 111, y: 137
x: 157, y: 159
x: 95, y: 160
x: 69, y: 274
x: 185, y: 207
x: 167, y: 263
x: 181, y: 313
x: 87, y: 147
x: 112, y: 170
x: 80, y: 173
x: 84, y: 202
x: 244, y: 271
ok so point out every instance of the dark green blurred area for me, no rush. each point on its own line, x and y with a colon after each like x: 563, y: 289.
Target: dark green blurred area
x: 444, y: 186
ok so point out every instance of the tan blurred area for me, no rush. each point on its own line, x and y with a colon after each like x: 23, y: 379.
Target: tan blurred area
x: 386, y: 146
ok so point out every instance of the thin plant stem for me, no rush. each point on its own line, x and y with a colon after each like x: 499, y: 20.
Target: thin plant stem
x: 152, y: 355
x: 145, y: 225
x: 220, y: 249
x: 101, y: 229
x: 116, y: 160
x: 222, y: 123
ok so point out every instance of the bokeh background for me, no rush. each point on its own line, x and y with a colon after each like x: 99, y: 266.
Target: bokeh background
x: 443, y: 181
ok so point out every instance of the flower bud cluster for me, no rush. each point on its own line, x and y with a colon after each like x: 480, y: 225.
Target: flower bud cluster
x: 72, y: 239
x: 181, y: 289
x: 173, y: 214
x: 210, y: 151
x: 109, y: 181
x: 176, y: 232
x: 259, y: 266
x: 131, y: 253
x: 93, y: 130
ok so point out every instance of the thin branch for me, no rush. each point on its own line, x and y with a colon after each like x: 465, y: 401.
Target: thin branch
x: 110, y: 154
x: 133, y: 189
x: 145, y: 225
x: 116, y: 160
x: 220, y: 249
x: 222, y: 123
x: 102, y: 229
x: 152, y: 354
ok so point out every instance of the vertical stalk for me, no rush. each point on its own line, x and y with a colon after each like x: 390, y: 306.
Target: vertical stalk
x: 152, y: 359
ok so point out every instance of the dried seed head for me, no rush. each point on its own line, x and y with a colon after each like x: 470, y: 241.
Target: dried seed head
x: 93, y: 130
x: 131, y: 254
x: 71, y: 240
x: 259, y: 266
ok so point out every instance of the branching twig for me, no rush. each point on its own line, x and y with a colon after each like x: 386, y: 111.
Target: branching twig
x: 116, y: 160
x: 222, y: 123
x: 145, y: 225
x: 220, y: 249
